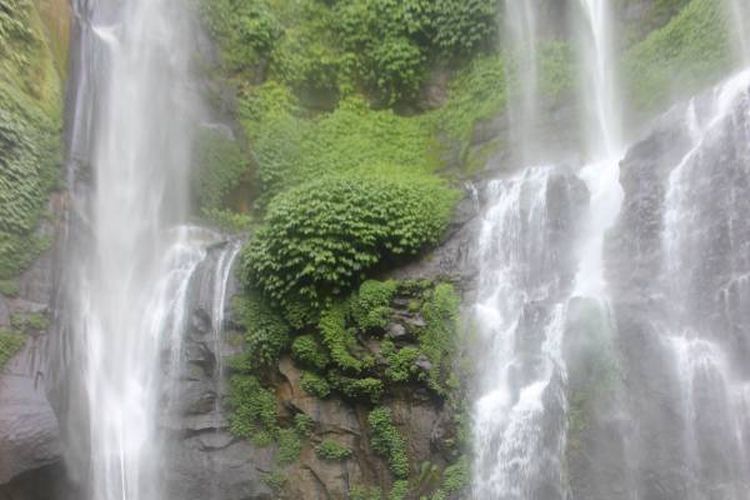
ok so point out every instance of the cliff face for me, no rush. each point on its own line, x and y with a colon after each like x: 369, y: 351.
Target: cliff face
x: 33, y: 50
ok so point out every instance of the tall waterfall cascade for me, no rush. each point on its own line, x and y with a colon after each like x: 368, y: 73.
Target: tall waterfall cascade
x: 132, y: 255
x: 584, y: 305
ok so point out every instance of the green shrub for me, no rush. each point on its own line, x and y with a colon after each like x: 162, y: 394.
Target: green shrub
x: 370, y: 307
x: 458, y: 26
x: 220, y: 167
x: 399, y: 490
x: 315, y: 385
x: 253, y: 410
x: 401, y: 366
x: 267, y: 335
x: 457, y: 477
x: 367, y: 388
x: 693, y: 49
x: 276, y: 480
x: 309, y: 352
x: 438, y: 340
x: 365, y: 493
x: 246, y: 30
x: 337, y: 338
x: 303, y: 424
x: 321, y: 237
x: 10, y: 344
x: 388, y: 442
x: 290, y: 446
x: 331, y: 450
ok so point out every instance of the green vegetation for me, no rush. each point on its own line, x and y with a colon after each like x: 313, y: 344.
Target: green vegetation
x: 220, y: 168
x: 371, y: 307
x: 365, y: 493
x: 315, y: 385
x: 331, y: 450
x: 10, y: 343
x: 321, y: 237
x: 290, y: 446
x: 308, y: 352
x: 338, y: 339
x: 266, y: 333
x: 456, y: 477
x: 303, y: 424
x: 685, y: 55
x: 30, y: 112
x: 253, y: 410
x: 388, y: 442
x: 438, y: 341
x: 401, y: 362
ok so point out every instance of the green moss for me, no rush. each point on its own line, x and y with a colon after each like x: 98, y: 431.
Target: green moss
x: 315, y: 385
x: 267, y: 334
x: 10, y: 344
x: 688, y: 53
x: 370, y: 307
x: 308, y: 351
x: 9, y: 287
x: 253, y: 410
x: 388, y: 442
x: 331, y: 450
x: 29, y: 322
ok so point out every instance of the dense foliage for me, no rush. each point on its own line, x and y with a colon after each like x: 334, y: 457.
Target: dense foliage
x: 322, y: 237
x: 387, y: 441
x: 693, y: 49
x: 221, y: 166
x: 29, y: 133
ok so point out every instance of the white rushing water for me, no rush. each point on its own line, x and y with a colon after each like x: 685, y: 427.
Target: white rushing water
x: 521, y: 378
x: 535, y: 255
x: 739, y: 12
x: 133, y: 257
x: 521, y: 29
x: 705, y: 249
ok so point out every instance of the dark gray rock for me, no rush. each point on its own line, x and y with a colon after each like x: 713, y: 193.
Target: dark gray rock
x: 29, y: 433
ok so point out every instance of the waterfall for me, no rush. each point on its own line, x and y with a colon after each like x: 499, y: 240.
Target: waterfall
x: 541, y: 250
x: 709, y: 288
x: 131, y: 256
x: 521, y: 28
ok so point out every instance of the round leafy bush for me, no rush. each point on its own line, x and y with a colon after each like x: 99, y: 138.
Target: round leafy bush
x: 322, y: 237
x: 370, y: 307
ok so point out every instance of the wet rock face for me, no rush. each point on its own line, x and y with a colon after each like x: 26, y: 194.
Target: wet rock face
x: 205, y: 460
x: 678, y: 261
x: 29, y: 430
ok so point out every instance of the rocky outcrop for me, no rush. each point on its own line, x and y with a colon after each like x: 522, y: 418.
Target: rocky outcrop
x: 29, y: 431
x: 206, y: 460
